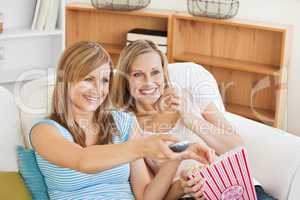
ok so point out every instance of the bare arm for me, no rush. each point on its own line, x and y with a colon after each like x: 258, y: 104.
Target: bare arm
x: 214, y: 129
x: 53, y: 147
x: 175, y: 191
x: 57, y: 150
x: 146, y: 188
x: 160, y: 188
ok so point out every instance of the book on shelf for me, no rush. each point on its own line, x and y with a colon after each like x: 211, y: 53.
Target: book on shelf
x: 36, y: 13
x: 156, y: 36
x: 45, y: 15
x: 52, y: 15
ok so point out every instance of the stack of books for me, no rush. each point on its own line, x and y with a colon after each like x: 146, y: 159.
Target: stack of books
x: 45, y: 15
x: 158, y: 37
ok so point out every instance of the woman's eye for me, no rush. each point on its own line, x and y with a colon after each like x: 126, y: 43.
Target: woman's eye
x: 105, y: 80
x: 155, y: 72
x: 137, y: 74
x: 88, y: 79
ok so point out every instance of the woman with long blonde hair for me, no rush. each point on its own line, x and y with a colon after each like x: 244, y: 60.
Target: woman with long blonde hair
x: 142, y: 86
x: 86, y: 151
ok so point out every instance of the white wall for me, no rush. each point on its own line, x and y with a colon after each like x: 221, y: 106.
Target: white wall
x: 278, y: 11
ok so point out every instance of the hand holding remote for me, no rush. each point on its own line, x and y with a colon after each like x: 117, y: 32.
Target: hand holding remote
x: 179, y: 147
x: 197, y: 151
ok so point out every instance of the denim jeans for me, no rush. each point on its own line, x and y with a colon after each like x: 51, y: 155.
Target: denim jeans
x: 261, y: 195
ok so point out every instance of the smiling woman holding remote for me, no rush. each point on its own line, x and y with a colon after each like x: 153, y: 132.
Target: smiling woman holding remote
x: 86, y: 151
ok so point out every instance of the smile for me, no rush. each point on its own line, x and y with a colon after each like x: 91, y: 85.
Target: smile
x: 91, y: 99
x: 148, y: 91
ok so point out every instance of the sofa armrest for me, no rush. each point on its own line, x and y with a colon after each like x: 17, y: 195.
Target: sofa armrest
x: 273, y: 155
x: 12, y: 187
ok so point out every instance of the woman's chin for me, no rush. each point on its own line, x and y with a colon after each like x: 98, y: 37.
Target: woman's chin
x: 148, y: 101
x: 89, y: 108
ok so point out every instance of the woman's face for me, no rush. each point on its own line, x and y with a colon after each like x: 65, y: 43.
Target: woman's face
x: 88, y: 94
x: 146, y: 80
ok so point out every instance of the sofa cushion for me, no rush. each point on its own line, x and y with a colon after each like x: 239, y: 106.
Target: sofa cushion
x: 31, y: 173
x: 198, y: 81
x: 35, y: 102
x: 273, y: 156
x: 12, y: 187
x: 9, y: 132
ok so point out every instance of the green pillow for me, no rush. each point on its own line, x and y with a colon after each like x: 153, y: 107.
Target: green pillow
x: 12, y: 187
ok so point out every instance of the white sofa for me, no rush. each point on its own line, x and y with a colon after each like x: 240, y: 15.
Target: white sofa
x: 274, y: 154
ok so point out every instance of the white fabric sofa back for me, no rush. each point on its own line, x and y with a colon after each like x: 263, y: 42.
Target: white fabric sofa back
x: 34, y: 102
x: 9, y: 132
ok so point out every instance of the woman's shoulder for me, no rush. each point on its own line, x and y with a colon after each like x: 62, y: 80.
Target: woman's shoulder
x: 46, y: 122
x: 49, y: 125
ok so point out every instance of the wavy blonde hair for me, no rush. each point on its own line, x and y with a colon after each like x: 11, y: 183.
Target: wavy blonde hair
x: 120, y: 94
x: 75, y: 64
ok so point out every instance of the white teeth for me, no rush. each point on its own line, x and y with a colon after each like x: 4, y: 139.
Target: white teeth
x: 92, y: 98
x: 148, y: 91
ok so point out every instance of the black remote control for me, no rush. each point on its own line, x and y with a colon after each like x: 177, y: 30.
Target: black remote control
x: 179, y: 147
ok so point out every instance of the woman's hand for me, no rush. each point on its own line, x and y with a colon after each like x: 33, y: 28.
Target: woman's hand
x: 200, y: 152
x: 155, y: 147
x: 170, y: 101
x: 193, y: 187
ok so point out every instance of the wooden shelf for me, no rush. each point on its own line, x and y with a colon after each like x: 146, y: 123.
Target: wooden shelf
x: 247, y: 112
x: 242, y: 23
x: 112, y: 48
x: 229, y: 63
x: 147, y: 12
x: 239, y: 48
x: 15, y: 33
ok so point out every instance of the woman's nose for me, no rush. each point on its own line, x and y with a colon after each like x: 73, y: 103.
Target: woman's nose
x: 96, y: 87
x: 148, y: 78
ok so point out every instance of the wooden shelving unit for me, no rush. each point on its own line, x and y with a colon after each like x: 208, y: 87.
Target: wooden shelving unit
x: 228, y: 63
x: 109, y: 28
x: 247, y: 58
x: 247, y: 111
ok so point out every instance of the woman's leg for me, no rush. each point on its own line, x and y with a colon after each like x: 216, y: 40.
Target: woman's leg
x: 261, y: 194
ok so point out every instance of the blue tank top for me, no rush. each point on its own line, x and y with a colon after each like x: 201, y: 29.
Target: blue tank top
x: 65, y: 183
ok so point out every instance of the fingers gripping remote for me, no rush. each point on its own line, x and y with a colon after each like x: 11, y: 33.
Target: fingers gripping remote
x: 179, y: 147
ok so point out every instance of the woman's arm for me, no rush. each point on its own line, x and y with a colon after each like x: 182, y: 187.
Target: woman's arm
x: 146, y: 188
x: 53, y: 147
x: 214, y: 129
x: 159, y: 187
x: 175, y: 191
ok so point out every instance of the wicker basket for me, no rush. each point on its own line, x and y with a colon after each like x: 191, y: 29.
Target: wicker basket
x: 220, y: 9
x: 125, y: 5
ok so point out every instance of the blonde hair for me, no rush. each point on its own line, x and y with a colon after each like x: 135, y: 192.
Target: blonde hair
x: 77, y: 62
x: 120, y: 95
